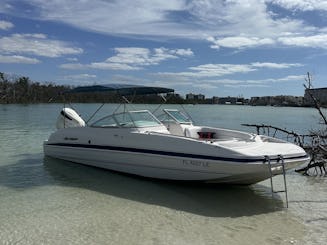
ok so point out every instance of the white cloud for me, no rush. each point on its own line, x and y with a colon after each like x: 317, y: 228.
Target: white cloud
x: 302, y: 5
x: 133, y: 58
x: 115, y: 17
x: 72, y: 59
x: 231, y: 24
x: 204, y: 86
x: 129, y: 79
x: 213, y: 70
x: 314, y: 41
x: 17, y: 59
x: 239, y: 42
x: 247, y: 86
x: 112, y: 66
x: 224, y: 20
x: 99, y: 65
x: 73, y: 66
x: 83, y: 76
x: 130, y: 55
x: 81, y: 79
x: 5, y: 25
x: 211, y: 76
x: 217, y: 70
x: 250, y: 21
x: 184, y: 52
x: 36, y: 44
x: 236, y: 82
x: 290, y: 78
x: 144, y: 56
x: 275, y: 65
x: 212, y: 83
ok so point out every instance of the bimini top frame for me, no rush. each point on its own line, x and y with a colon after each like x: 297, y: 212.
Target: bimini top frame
x: 121, y: 90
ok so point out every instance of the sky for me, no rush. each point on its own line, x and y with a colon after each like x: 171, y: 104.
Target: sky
x: 217, y: 48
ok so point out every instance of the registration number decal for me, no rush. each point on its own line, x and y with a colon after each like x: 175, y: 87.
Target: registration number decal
x: 196, y: 163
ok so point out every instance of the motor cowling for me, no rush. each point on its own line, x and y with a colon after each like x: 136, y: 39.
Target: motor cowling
x: 68, y: 118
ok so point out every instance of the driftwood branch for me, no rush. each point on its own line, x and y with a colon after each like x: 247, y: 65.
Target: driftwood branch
x: 299, y: 139
x: 318, y: 161
x: 321, y: 165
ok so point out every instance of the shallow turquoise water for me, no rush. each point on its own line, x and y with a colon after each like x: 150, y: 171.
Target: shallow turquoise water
x: 47, y: 201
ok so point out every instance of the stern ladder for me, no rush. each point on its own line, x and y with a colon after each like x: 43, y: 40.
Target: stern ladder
x: 281, y: 160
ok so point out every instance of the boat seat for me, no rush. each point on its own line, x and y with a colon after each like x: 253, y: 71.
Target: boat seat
x: 175, y: 129
x: 197, y: 132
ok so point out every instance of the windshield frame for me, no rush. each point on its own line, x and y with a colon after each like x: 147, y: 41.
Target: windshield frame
x: 130, y: 122
x: 186, y: 120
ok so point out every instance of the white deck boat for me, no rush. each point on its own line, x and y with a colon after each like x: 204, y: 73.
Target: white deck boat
x: 169, y: 146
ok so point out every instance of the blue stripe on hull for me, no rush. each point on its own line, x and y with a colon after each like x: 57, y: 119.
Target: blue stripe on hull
x: 175, y: 154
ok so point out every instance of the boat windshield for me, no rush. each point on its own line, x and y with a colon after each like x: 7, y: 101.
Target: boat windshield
x: 129, y: 119
x: 175, y: 115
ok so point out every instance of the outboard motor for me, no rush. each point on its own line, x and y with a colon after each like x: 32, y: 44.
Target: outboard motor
x: 68, y: 118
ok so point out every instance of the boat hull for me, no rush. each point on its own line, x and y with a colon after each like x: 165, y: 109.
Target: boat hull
x: 171, y: 165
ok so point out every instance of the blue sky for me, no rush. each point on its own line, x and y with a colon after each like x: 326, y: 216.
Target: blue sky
x: 218, y: 48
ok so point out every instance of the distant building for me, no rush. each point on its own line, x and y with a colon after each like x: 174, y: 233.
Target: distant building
x: 280, y: 100
x: 195, y: 97
x: 293, y: 100
x: 190, y: 96
x: 231, y: 100
x: 215, y: 100
x: 200, y: 97
x: 319, y: 93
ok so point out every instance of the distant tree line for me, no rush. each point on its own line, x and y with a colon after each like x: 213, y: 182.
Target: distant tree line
x: 21, y: 90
